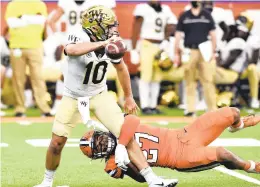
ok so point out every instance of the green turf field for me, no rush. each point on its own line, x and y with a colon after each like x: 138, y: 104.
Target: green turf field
x: 23, y: 164
x: 32, y: 112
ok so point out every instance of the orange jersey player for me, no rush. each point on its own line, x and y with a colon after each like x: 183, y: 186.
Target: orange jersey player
x: 185, y: 149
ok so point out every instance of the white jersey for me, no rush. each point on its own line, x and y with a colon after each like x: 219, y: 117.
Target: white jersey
x: 235, y: 44
x: 86, y: 74
x: 73, y: 11
x: 154, y: 23
x: 252, y: 43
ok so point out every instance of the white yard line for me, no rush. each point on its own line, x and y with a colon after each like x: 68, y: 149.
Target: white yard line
x: 226, y: 142
x: 237, y: 175
x: 4, y: 145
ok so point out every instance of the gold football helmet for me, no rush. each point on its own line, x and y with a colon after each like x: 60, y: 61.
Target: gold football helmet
x: 244, y: 22
x: 224, y: 99
x: 170, y: 98
x: 99, y: 21
x: 163, y: 61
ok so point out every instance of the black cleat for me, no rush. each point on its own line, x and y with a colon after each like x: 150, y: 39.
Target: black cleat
x: 156, y: 111
x: 20, y: 114
x: 48, y: 114
x: 147, y: 111
x: 189, y: 114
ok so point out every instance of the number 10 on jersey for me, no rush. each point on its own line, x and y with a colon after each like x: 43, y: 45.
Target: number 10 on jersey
x: 95, y: 79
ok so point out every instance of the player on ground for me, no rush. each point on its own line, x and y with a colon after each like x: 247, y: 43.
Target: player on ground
x: 85, y: 88
x: 185, y: 149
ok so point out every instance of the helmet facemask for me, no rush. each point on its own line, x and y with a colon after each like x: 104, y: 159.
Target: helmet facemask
x: 103, y: 144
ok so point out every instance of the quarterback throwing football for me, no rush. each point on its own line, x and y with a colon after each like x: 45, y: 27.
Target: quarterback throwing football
x: 85, y: 88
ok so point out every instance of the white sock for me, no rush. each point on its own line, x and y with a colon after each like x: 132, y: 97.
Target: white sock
x: 155, y: 89
x: 148, y: 174
x: 48, y: 176
x: 144, y: 93
x: 28, y: 98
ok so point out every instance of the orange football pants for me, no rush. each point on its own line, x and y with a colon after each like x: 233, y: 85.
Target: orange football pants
x: 193, y: 153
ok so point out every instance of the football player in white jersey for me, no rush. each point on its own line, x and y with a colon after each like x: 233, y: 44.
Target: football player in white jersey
x: 237, y: 58
x: 69, y: 11
x: 245, y: 23
x: 72, y: 10
x: 154, y: 22
x: 85, y: 89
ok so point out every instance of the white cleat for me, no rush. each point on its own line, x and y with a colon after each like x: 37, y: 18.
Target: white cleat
x: 3, y: 106
x: 164, y: 183
x: 254, y: 104
x: 2, y: 113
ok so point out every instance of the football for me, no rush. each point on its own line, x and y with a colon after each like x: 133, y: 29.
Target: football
x: 115, y: 49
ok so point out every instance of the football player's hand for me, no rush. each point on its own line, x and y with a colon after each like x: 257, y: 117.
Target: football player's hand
x: 130, y: 106
x: 121, y: 157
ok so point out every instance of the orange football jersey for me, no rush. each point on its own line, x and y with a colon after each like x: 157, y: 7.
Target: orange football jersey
x: 159, y: 145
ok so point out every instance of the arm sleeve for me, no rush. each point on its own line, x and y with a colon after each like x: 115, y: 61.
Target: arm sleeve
x: 139, y: 11
x: 180, y: 24
x: 73, y: 38
x: 171, y: 18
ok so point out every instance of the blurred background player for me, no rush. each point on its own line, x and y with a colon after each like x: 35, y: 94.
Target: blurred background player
x: 223, y: 18
x: 54, y: 66
x: 5, y: 62
x: 239, y: 57
x: 72, y: 10
x: 26, y: 29
x: 154, y: 23
x: 197, y: 22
